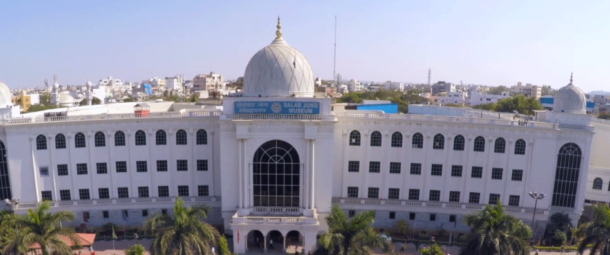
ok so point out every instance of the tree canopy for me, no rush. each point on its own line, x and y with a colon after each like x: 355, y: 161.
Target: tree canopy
x: 597, y: 232
x: 520, y: 103
x: 394, y: 96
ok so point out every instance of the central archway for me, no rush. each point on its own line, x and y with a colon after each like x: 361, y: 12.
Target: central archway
x: 276, y: 173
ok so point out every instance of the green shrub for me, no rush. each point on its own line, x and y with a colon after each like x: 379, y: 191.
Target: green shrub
x: 135, y: 249
x: 223, y: 246
x: 559, y: 238
x: 431, y: 250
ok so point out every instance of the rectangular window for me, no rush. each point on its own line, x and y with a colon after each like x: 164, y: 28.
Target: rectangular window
x: 144, y: 213
x: 47, y: 196
x: 83, y: 194
x: 183, y: 191
x: 352, y: 191
x: 351, y: 213
x: 202, y: 165
x: 163, y: 191
x: 141, y: 167
x: 435, y: 195
x: 142, y: 191
x: 513, y: 200
x: 105, y: 214
x: 62, y: 169
x: 394, y: 167
x: 437, y: 169
x: 392, y: 215
x: 452, y: 218
x: 374, y: 167
x: 518, y: 175
x: 44, y: 171
x: 161, y: 165
x: 477, y: 172
x: 164, y: 211
x: 474, y: 197
x: 203, y: 190
x: 411, y: 216
x: 456, y: 171
x: 413, y: 194
x: 432, y: 217
x: 454, y: 196
x: 64, y: 195
x: 123, y: 192
x: 102, y: 168
x: 81, y: 168
x: 104, y: 193
x: 373, y: 193
x: 393, y: 193
x: 353, y: 166
x: 182, y: 165
x: 121, y: 167
x: 416, y: 168
x: 496, y: 173
x: 493, y: 198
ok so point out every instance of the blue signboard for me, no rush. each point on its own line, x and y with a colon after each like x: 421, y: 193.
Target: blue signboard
x: 276, y: 107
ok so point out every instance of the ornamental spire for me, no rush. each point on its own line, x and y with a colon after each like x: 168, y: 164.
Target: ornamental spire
x: 278, y: 32
x: 571, y: 75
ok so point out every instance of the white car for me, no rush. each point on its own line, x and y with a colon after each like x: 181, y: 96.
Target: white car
x: 386, y: 237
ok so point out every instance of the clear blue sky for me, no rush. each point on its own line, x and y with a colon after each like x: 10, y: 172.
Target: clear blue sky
x: 478, y: 42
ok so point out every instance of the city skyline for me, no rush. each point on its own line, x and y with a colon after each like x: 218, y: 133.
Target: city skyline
x: 475, y: 42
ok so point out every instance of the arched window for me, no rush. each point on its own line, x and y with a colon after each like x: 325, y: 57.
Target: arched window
x: 354, y: 138
x: 140, y: 138
x: 566, y: 175
x: 5, y: 185
x: 458, y: 143
x: 520, y: 147
x: 397, y: 139
x: 376, y: 139
x: 276, y: 175
x: 439, y: 142
x: 479, y: 144
x: 500, y: 145
x: 417, y: 141
x: 161, y: 137
x: 597, y: 183
x: 79, y: 141
x: 181, y: 137
x: 60, y: 141
x: 41, y: 142
x: 119, y: 138
x: 100, y: 139
x: 202, y: 137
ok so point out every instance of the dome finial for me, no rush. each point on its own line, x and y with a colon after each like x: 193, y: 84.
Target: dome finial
x: 571, y: 75
x: 278, y: 32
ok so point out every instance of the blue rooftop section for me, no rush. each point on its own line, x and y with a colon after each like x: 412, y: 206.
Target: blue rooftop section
x: 387, y: 108
x: 147, y: 89
x: 548, y: 101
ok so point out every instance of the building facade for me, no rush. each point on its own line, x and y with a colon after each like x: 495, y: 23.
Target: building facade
x: 274, y: 160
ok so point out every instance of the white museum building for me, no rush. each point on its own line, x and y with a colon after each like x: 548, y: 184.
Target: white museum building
x: 274, y: 159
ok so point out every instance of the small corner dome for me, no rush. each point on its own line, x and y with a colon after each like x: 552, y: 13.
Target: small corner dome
x: 5, y: 96
x: 278, y: 70
x: 570, y: 99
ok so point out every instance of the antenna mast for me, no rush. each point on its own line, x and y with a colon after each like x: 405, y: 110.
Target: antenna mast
x: 335, y: 55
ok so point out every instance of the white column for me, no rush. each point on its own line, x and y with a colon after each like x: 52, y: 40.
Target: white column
x: 111, y: 165
x: 149, y: 163
x: 240, y: 171
x: 212, y: 162
x: 313, y: 174
x: 506, y: 178
x: 51, y: 148
x: 489, y: 148
x: 90, y: 169
x: 171, y: 163
x: 71, y: 165
x: 364, y: 164
x: 304, y: 168
x: 344, y: 146
x: 130, y: 171
x: 246, y: 174
x: 191, y: 140
x: 34, y: 168
x: 385, y: 167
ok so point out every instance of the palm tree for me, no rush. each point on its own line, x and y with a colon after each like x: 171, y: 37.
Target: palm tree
x: 184, y: 233
x: 597, y: 232
x: 496, y: 232
x: 352, y: 236
x: 11, y: 240
x: 41, y: 227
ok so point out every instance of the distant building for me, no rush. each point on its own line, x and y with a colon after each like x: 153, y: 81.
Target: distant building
x: 174, y: 83
x: 354, y: 85
x: 389, y: 85
x: 442, y: 86
x: 155, y: 82
x: 113, y: 83
x: 458, y: 98
x: 527, y: 90
x: 211, y: 82
x: 477, y: 98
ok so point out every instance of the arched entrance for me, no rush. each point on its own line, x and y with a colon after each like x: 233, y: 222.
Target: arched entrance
x: 566, y: 175
x: 255, y: 241
x: 294, y: 242
x: 5, y: 186
x: 276, y: 173
x: 275, y: 241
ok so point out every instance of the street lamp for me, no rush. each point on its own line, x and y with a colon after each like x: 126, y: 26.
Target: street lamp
x: 536, y: 196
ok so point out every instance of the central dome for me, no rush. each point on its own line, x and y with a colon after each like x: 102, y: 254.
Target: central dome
x: 278, y: 70
x: 570, y: 99
x: 5, y: 96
